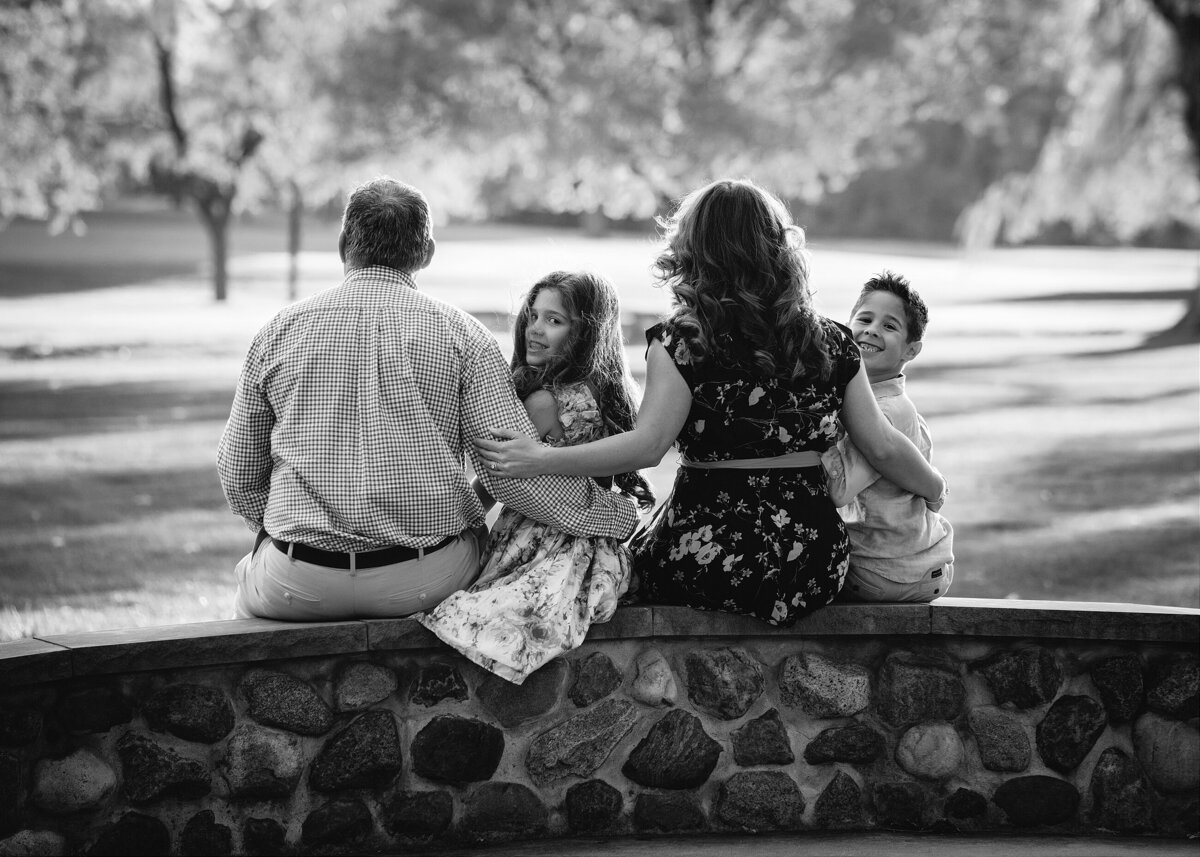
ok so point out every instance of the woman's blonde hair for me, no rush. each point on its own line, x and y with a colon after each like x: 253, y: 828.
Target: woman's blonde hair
x: 736, y: 265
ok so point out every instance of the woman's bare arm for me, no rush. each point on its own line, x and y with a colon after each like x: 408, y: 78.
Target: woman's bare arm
x: 664, y: 410
x: 888, y: 451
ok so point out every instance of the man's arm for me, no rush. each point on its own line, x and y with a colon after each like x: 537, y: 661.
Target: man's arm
x: 244, y: 453
x: 576, y: 506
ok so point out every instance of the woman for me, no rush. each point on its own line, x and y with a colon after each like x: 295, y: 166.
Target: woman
x: 750, y: 382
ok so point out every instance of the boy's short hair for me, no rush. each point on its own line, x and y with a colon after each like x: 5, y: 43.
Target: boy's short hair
x: 916, y: 314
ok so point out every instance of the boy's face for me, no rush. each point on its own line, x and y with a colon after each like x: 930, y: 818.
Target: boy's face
x: 881, y: 332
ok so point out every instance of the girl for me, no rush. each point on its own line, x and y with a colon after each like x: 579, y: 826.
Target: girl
x: 749, y: 381
x: 541, y: 589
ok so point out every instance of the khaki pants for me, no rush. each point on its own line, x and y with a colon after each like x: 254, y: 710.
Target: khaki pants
x: 863, y: 585
x: 272, y: 585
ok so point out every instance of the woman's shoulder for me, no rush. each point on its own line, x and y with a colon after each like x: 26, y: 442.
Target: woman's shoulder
x: 675, y: 344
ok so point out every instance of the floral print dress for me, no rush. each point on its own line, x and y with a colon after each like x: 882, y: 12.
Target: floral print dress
x: 541, y: 589
x: 766, y: 542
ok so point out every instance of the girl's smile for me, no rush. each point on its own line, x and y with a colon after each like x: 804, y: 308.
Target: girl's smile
x: 548, y: 330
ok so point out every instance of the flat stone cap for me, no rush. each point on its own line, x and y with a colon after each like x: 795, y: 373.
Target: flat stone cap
x: 40, y: 659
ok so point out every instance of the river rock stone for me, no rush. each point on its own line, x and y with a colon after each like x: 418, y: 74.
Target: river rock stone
x: 839, y: 806
x: 12, y: 787
x: 1121, y: 797
x: 418, y: 815
x: 366, y: 754
x: 77, y: 782
x: 278, y: 699
x: 675, y: 754
x: 655, y: 682
x: 857, y: 743
x: 513, y: 704
x: 33, y: 843
x: 593, y: 806
x: 930, y: 750
x: 361, y: 684
x: 1173, y: 688
x: 724, y: 682
x: 202, y: 836
x: 341, y: 821
x: 1169, y: 751
x: 1033, y: 800
x: 596, y: 676
x: 760, y: 800
x: 965, y: 803
x: 262, y: 836
x: 578, y: 746
x: 453, y: 749
x: 1026, y: 677
x: 824, y: 688
x: 1069, y: 731
x: 913, y: 688
x: 1118, y: 680
x: 134, y: 834
x: 152, y: 772
x: 504, y: 808
x: 763, y: 741
x: 669, y: 812
x: 93, y: 709
x: 261, y: 763
x: 436, y: 682
x: 899, y: 806
x: 1001, y: 739
x: 19, y: 727
x: 194, y: 712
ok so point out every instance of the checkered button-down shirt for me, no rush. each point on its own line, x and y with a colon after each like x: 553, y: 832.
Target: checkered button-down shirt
x: 352, y: 415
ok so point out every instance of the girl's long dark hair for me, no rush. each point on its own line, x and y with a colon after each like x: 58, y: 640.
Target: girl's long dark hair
x: 594, y: 353
x: 736, y: 265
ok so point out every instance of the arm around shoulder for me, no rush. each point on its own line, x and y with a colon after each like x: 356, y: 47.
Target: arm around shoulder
x: 885, y: 448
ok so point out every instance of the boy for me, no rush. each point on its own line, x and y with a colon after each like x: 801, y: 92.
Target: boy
x: 901, y: 549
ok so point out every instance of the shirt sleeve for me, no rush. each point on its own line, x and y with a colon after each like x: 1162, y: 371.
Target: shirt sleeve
x: 244, y: 453
x: 576, y: 505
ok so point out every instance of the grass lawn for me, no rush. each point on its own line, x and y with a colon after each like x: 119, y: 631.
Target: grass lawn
x: 1073, y: 453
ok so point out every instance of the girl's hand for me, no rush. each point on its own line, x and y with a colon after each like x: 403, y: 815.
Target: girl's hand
x: 514, y: 455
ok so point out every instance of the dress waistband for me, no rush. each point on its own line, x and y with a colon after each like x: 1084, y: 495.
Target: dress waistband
x: 805, y: 458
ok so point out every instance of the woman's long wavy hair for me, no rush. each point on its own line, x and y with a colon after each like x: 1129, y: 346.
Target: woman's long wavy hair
x: 593, y: 352
x: 737, y: 267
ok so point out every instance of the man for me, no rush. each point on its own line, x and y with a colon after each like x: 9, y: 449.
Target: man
x: 344, y: 447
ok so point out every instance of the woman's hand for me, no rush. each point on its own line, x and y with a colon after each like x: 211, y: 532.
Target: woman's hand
x: 512, y: 454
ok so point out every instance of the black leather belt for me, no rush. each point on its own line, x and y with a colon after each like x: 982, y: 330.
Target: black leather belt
x: 362, y: 559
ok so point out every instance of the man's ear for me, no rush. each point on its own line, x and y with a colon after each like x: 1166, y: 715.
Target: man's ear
x: 430, y: 246
x: 912, y: 350
x: 342, y: 246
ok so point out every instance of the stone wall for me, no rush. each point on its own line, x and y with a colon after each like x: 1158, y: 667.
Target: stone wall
x: 260, y: 737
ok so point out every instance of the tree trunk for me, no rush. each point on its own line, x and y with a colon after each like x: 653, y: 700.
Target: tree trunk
x: 295, y: 210
x: 216, y: 225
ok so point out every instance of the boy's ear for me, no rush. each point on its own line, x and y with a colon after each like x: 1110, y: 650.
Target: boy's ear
x: 912, y: 350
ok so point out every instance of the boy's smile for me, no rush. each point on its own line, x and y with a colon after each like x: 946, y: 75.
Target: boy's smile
x: 880, y: 329
x: 548, y: 328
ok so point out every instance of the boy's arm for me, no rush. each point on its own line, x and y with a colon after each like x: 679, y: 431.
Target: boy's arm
x: 847, y: 471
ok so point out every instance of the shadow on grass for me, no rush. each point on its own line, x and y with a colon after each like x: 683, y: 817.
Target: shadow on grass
x: 102, y: 532
x: 34, y: 410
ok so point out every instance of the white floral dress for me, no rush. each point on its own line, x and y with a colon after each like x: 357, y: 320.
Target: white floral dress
x: 541, y: 589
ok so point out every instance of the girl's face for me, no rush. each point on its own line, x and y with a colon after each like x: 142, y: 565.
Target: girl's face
x: 548, y: 329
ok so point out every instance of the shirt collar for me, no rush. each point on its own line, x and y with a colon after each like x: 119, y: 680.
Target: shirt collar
x: 378, y: 275
x: 890, y: 387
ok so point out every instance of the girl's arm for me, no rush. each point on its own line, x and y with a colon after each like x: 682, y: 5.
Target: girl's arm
x: 888, y: 451
x: 665, y: 407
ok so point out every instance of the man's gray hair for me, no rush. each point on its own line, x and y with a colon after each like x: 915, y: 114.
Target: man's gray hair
x: 386, y: 222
